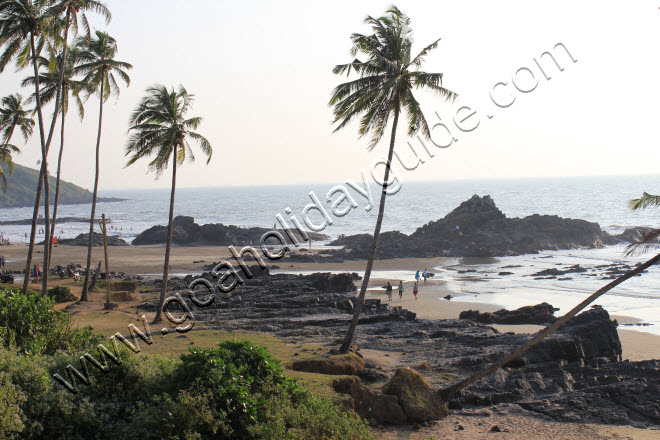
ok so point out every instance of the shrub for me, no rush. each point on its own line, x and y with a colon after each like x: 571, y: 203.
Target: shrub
x: 61, y: 294
x: 236, y: 390
x: 31, y: 325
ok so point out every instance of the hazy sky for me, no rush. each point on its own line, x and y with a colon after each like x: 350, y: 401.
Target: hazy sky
x: 261, y: 73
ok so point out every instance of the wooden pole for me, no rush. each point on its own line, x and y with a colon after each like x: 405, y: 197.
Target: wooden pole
x: 104, y: 228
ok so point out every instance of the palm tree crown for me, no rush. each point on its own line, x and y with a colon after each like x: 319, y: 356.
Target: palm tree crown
x: 12, y: 116
x: 160, y: 127
x: 387, y: 78
x: 49, y: 81
x: 20, y: 19
x: 74, y: 10
x: 98, y: 65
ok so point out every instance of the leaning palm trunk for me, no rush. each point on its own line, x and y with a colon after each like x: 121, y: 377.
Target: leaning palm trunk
x: 446, y: 393
x: 57, y: 189
x: 346, y: 345
x: 84, y: 294
x: 168, y: 245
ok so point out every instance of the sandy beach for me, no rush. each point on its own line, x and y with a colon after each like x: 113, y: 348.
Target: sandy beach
x: 637, y: 345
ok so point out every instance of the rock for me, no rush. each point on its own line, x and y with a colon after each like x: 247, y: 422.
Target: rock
x: 348, y: 364
x: 539, y: 314
x: 419, y: 401
x: 384, y: 409
x: 186, y: 232
x: 484, y: 231
x: 83, y: 240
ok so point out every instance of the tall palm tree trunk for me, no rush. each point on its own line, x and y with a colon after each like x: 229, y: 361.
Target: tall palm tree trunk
x: 43, y: 172
x: 42, y: 169
x: 84, y: 295
x: 57, y: 188
x: 346, y: 345
x: 168, y: 245
x: 446, y: 393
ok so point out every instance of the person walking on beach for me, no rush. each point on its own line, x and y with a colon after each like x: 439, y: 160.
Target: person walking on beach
x: 2, y: 262
x: 425, y: 274
x: 388, y: 290
x: 400, y: 289
x: 416, y: 289
x: 417, y: 276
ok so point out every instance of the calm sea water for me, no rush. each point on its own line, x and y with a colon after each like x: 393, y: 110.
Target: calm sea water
x: 598, y: 199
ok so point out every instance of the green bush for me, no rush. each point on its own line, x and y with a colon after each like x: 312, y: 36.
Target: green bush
x: 61, y: 294
x: 31, y: 325
x: 236, y: 390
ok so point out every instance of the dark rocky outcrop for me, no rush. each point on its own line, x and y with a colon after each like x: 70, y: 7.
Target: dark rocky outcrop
x: 574, y: 375
x: 187, y: 232
x: 483, y: 231
x: 340, y: 364
x: 539, y: 314
x: 83, y: 240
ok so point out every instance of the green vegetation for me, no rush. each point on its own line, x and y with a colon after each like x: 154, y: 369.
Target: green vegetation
x: 29, y: 323
x: 61, y: 294
x: 234, y: 390
x: 21, y: 186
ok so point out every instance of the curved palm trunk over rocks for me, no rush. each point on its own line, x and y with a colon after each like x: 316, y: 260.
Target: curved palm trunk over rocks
x: 84, y: 294
x: 43, y: 172
x: 57, y: 189
x: 346, y: 345
x: 446, y: 393
x: 168, y: 246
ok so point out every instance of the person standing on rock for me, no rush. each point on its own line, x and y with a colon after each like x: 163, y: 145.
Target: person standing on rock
x: 388, y: 290
x: 416, y: 289
x: 400, y: 289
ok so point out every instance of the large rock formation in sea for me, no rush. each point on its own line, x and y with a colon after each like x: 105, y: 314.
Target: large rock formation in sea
x: 187, y: 232
x: 477, y: 228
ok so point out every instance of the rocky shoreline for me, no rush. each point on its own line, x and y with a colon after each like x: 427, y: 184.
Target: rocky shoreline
x: 574, y: 375
x: 477, y: 228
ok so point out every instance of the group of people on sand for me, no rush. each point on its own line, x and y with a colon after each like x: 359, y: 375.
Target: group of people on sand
x: 389, y: 289
x: 4, y: 241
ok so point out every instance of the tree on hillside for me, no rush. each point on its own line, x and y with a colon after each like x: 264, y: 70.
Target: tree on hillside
x: 100, y: 71
x: 12, y: 116
x: 387, y: 75
x: 160, y: 128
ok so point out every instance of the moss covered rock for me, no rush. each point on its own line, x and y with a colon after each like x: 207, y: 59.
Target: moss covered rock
x: 378, y: 409
x: 418, y: 400
x: 343, y: 364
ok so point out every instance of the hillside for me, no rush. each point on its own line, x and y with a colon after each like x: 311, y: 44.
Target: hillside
x: 22, y: 185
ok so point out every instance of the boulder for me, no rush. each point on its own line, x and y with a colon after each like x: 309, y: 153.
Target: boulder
x: 380, y: 409
x: 418, y: 400
x: 83, y: 240
x: 349, y: 364
x: 539, y: 314
x: 186, y: 232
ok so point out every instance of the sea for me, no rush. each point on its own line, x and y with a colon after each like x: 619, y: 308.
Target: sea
x: 598, y: 199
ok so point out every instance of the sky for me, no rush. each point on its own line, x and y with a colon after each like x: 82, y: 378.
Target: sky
x: 261, y: 72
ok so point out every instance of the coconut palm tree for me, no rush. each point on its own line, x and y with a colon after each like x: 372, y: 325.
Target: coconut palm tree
x: 651, y: 239
x: 12, y: 116
x: 383, y: 89
x: 160, y: 128
x: 100, y: 71
x: 27, y: 27
x: 70, y: 89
